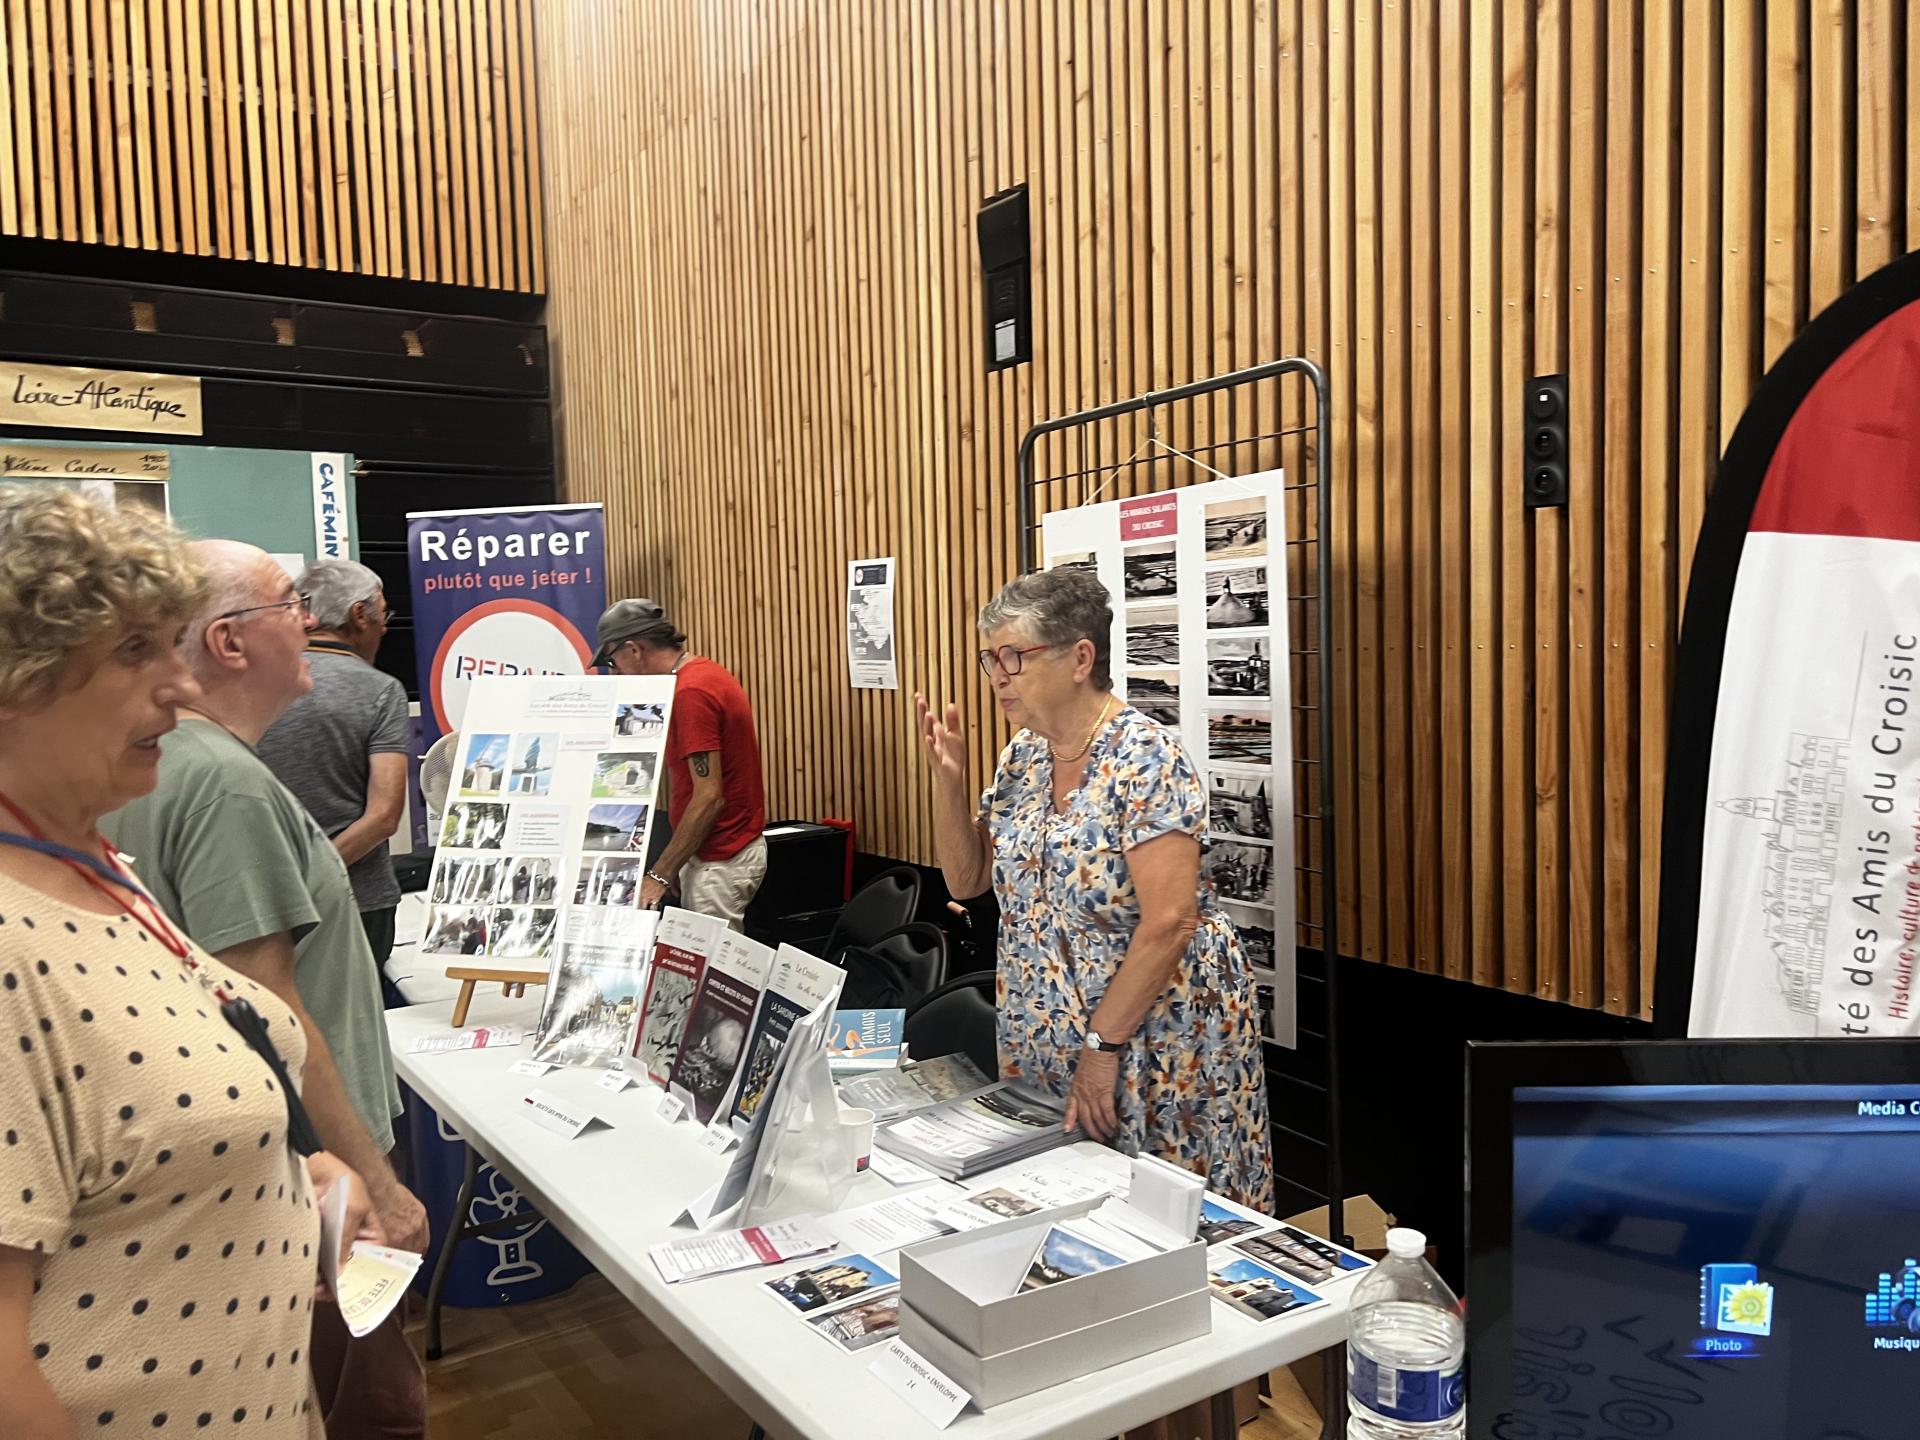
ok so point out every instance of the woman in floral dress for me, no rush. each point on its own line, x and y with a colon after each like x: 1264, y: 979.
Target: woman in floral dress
x: 1123, y: 989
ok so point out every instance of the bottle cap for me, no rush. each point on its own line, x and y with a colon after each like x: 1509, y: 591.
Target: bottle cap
x: 1406, y: 1244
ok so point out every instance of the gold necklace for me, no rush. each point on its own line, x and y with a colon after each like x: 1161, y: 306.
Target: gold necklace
x: 1099, y: 720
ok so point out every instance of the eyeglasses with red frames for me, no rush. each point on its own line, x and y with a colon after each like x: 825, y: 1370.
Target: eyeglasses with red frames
x: 1010, y: 658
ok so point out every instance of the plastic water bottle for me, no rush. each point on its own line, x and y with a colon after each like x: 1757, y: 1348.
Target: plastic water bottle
x: 1405, y: 1342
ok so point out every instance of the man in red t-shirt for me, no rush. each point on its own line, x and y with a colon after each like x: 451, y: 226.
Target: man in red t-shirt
x: 715, y: 798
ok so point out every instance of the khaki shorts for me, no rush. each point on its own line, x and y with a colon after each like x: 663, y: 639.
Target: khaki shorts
x: 724, y: 888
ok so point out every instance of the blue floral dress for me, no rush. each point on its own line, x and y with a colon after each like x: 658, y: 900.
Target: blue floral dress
x: 1193, y: 1087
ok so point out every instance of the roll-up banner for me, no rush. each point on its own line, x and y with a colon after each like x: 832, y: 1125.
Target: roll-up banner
x: 1790, y: 881
x: 501, y: 592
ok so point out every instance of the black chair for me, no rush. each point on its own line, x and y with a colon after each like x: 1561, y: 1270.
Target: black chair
x: 884, y: 904
x: 957, y: 1018
x: 921, y: 952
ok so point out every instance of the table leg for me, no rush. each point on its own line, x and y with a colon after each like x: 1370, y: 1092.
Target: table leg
x: 450, y: 1242
x: 461, y: 1002
x: 1225, y: 1415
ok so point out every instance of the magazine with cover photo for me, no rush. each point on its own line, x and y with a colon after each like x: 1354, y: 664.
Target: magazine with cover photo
x: 798, y: 984
x: 716, y: 1033
x: 595, y: 987
x: 893, y: 1093
x: 996, y: 1126
x: 683, y: 944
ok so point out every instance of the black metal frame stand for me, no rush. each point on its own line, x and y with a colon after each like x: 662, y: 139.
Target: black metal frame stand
x: 1314, y: 435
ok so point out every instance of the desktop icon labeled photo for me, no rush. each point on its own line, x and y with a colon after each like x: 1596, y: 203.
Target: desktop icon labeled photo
x: 1735, y: 1301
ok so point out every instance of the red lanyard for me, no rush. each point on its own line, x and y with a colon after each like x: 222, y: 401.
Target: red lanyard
x: 140, y: 904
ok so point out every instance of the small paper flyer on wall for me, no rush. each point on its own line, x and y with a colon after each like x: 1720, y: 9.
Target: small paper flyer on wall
x: 546, y: 821
x: 1199, y: 582
x: 871, y: 664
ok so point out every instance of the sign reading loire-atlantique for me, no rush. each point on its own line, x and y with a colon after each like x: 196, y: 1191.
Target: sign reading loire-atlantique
x: 501, y: 592
x: 1790, y: 893
x: 70, y: 397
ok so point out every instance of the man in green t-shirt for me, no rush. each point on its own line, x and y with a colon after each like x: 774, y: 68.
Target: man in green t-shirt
x: 231, y: 855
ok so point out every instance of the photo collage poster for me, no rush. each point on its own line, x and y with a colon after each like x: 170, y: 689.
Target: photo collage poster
x: 1198, y: 577
x: 545, y: 830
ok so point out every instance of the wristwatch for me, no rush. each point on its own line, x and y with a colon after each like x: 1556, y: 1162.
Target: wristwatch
x: 1105, y: 1047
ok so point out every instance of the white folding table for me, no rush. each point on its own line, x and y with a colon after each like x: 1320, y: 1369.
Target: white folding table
x: 614, y: 1192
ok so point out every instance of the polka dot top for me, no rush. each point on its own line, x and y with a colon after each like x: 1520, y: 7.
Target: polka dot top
x: 144, y: 1163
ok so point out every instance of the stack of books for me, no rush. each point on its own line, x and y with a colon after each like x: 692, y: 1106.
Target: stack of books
x: 961, y: 1138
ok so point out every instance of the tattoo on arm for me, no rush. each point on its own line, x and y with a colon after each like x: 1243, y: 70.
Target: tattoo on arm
x: 698, y: 760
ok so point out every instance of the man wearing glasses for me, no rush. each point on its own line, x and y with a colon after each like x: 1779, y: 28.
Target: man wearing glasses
x: 342, y: 748
x: 240, y: 865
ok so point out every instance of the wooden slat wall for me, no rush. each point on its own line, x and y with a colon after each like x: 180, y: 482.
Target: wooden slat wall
x: 298, y: 132
x: 766, y: 315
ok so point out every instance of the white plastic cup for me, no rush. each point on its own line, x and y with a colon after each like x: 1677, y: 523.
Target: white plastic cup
x: 856, y: 1138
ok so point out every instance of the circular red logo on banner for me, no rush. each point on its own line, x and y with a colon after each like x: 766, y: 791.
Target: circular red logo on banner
x: 502, y: 637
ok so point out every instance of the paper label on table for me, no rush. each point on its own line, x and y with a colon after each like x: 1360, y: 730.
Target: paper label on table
x: 529, y: 1067
x: 903, y: 1371
x: 549, y: 1112
x: 898, y: 1170
x: 371, y: 1283
x: 719, y: 1141
x: 615, y: 1080
x: 672, y: 1107
x: 479, y: 1038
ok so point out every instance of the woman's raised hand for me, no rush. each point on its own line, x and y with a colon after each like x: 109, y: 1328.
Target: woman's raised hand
x: 945, y: 746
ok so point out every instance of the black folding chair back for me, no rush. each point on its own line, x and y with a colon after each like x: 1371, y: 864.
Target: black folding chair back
x: 957, y: 1018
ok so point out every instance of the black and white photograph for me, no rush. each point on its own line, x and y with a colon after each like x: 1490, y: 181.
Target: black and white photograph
x: 467, y: 880
x: 1147, y: 572
x: 528, y: 880
x: 667, y: 1004
x: 530, y: 763
x: 708, y: 1056
x: 1241, y: 665
x: 639, y: 721
x: 1242, y: 872
x: 1241, y: 805
x: 456, y: 930
x: 1155, y: 694
x: 590, y: 1011
x: 615, y: 827
x: 624, y: 774
x: 1242, y: 735
x: 1237, y: 529
x: 483, y: 764
x: 1236, y: 597
x: 523, y: 932
x: 1153, y: 635
x: 1075, y: 560
x: 609, y: 880
x: 474, y: 825
x: 1255, y: 929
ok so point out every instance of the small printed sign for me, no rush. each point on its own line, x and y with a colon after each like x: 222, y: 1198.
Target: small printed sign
x: 905, y: 1372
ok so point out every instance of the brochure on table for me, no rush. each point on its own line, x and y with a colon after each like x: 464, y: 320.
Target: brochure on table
x: 547, y: 816
x: 1199, y: 581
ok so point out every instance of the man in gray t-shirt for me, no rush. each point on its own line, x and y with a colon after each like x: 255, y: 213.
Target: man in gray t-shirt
x: 342, y: 749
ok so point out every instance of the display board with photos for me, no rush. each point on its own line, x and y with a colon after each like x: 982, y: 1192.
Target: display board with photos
x: 1198, y: 577
x: 543, y: 841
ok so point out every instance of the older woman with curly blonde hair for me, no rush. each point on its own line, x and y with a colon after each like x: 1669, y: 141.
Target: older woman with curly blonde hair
x: 158, y: 1231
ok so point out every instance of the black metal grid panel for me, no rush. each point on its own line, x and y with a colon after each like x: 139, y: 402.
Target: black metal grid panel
x: 1076, y: 458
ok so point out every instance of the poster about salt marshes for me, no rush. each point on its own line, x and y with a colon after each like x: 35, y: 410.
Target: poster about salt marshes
x: 548, y: 811
x: 1810, y: 877
x: 1199, y: 583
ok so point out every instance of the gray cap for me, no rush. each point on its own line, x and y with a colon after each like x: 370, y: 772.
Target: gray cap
x: 629, y: 620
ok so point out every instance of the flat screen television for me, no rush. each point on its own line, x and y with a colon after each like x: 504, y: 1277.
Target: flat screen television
x: 1711, y: 1239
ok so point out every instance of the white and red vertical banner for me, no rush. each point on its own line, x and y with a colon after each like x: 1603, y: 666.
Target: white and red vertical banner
x: 1791, y: 880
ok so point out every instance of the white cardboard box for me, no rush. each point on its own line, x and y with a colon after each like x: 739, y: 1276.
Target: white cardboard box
x: 999, y: 1342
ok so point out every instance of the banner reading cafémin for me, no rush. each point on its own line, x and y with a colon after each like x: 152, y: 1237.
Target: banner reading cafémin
x: 1790, y: 901
x: 502, y: 592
